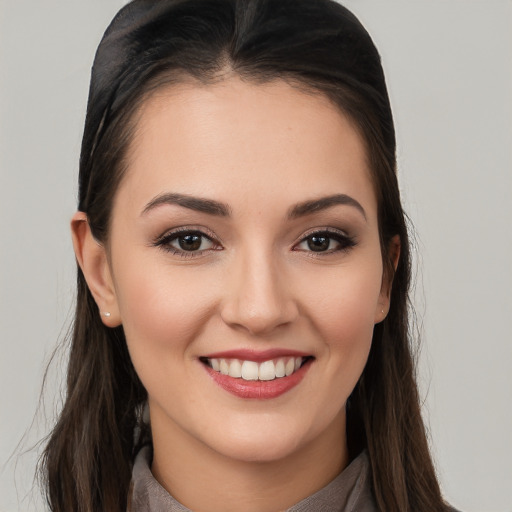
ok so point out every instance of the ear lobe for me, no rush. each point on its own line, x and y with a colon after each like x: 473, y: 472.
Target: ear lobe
x: 387, y: 279
x: 92, y: 258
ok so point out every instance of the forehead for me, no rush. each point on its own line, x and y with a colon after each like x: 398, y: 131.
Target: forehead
x: 239, y: 139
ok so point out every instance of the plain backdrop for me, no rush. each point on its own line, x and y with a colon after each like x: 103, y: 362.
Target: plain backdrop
x: 449, y: 71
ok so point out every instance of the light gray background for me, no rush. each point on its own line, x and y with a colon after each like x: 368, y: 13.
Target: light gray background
x: 449, y: 69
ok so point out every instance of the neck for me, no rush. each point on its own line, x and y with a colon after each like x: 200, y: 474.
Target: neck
x: 205, y: 480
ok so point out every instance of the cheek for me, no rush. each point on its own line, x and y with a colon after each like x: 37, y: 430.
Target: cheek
x: 341, y: 309
x: 161, y: 311
x: 344, y: 301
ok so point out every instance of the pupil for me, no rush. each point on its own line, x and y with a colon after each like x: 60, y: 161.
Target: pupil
x: 190, y: 242
x: 318, y: 243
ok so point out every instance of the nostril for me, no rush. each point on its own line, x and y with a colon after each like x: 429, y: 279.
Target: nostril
x: 258, y: 321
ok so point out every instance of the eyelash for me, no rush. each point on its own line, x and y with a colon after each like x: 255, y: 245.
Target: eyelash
x: 164, y: 242
x: 345, y: 241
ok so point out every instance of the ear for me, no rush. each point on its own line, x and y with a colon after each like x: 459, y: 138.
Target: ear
x: 387, y: 280
x: 93, y: 261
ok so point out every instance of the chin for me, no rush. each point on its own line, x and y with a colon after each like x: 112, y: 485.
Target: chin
x: 260, y: 443
x: 254, y: 451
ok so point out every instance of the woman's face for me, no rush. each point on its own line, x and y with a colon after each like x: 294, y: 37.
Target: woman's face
x: 244, y: 241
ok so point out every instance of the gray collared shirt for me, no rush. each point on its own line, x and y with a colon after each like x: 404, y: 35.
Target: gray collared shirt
x: 350, y: 491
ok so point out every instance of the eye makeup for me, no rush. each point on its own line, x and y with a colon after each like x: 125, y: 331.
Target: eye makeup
x: 325, y: 241
x: 187, y: 242
x: 190, y: 242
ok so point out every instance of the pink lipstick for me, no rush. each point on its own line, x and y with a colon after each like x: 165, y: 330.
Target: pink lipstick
x: 257, y: 374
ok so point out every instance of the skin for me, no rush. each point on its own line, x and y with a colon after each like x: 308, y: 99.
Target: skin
x: 261, y: 150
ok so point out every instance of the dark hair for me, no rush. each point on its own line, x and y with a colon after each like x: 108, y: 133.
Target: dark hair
x: 314, y: 44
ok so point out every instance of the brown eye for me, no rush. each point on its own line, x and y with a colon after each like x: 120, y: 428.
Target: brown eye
x: 186, y: 242
x: 326, y: 242
x: 318, y: 243
x: 190, y: 242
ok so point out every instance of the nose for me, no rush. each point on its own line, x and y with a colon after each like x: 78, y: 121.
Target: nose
x: 258, y: 296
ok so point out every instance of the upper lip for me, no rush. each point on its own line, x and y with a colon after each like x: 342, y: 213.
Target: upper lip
x: 256, y: 355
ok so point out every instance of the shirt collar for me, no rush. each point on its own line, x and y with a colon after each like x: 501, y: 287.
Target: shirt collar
x: 349, y: 491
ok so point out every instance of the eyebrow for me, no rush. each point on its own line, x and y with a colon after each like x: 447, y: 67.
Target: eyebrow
x: 193, y: 203
x: 219, y: 209
x: 317, y: 205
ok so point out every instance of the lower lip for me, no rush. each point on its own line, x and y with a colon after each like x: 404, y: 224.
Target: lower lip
x: 259, y: 389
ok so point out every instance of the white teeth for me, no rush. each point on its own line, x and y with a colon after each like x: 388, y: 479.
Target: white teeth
x: 267, y: 370
x: 251, y: 370
x: 290, y: 366
x: 280, y: 371
x: 235, y: 369
x: 224, y: 367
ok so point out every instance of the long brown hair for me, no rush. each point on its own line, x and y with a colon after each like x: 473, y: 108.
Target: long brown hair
x: 315, y: 44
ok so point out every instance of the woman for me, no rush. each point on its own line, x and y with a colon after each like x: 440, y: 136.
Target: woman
x: 243, y: 272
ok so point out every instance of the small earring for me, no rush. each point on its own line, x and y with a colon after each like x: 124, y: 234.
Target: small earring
x: 106, y: 313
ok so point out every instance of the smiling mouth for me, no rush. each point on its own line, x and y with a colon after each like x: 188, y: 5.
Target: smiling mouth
x: 248, y: 370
